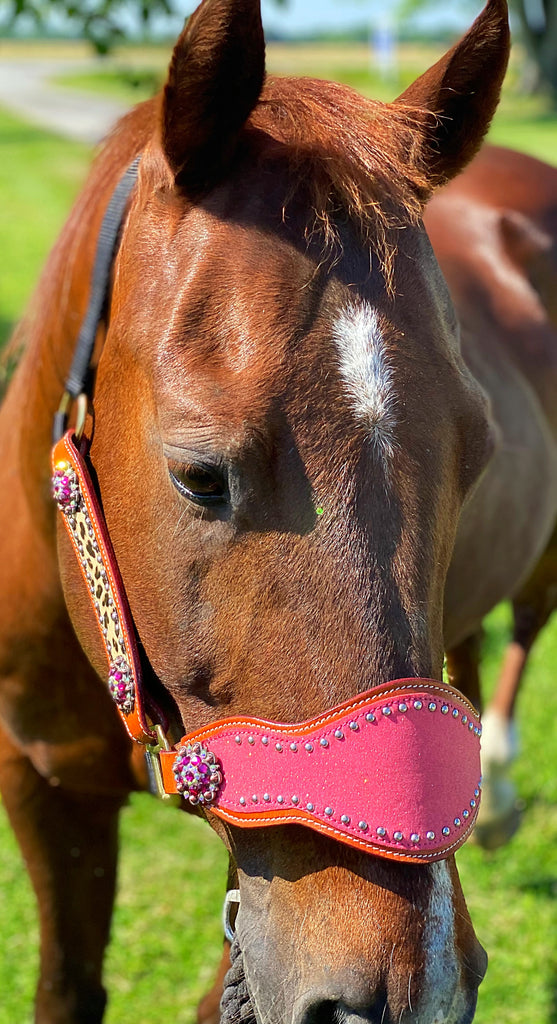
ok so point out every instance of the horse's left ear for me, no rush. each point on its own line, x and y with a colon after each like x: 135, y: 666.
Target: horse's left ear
x: 214, y: 81
x: 459, y: 95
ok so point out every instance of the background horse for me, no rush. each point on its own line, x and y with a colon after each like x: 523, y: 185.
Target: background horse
x: 285, y: 436
x: 494, y: 231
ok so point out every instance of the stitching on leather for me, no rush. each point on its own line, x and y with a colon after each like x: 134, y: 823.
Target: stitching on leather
x: 319, y: 826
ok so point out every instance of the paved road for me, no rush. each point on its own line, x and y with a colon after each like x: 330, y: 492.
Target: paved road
x: 25, y: 88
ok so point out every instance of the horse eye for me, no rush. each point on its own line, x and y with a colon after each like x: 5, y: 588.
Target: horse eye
x: 200, y: 484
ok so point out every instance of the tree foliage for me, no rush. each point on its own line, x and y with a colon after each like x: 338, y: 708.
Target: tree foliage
x: 102, y: 22
x: 539, y: 28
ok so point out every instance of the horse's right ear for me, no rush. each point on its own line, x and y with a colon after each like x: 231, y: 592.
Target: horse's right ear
x: 457, y: 97
x: 214, y: 82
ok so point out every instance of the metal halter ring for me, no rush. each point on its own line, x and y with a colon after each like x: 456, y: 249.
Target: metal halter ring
x: 231, y: 900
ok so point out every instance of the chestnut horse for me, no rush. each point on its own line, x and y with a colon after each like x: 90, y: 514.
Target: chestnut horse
x: 285, y: 436
x: 494, y: 231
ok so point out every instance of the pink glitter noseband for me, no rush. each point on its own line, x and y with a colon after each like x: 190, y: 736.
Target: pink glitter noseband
x: 394, y: 771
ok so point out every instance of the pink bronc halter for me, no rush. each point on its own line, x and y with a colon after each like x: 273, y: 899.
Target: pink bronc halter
x: 395, y: 771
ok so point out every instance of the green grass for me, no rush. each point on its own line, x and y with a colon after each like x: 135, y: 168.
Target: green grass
x: 166, y: 935
x: 39, y: 176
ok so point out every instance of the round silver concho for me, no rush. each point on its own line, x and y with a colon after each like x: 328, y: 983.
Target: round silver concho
x: 198, y: 774
x: 120, y: 684
x: 65, y: 488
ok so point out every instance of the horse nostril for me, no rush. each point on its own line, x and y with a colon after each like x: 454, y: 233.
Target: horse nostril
x: 332, y: 1012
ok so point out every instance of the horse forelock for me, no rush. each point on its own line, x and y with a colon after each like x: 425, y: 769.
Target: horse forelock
x: 346, y: 158
x: 349, y: 156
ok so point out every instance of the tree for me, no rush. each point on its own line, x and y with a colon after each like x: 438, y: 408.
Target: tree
x: 539, y: 28
x: 102, y: 22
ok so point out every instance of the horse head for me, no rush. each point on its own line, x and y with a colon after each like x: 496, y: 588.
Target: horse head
x: 285, y: 433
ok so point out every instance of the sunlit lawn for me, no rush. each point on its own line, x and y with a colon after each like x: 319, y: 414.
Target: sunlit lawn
x: 166, y: 936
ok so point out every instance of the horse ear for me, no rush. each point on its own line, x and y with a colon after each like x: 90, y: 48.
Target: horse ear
x: 459, y: 95
x: 214, y: 81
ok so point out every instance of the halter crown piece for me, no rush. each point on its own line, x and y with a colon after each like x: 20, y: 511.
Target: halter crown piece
x: 394, y: 771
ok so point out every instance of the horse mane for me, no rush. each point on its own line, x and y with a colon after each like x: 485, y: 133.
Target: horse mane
x: 351, y: 157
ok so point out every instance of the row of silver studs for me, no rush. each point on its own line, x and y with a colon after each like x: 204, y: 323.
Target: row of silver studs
x: 387, y: 710
x: 363, y: 826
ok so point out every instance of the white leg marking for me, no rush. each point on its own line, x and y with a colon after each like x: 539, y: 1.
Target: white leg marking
x: 365, y: 370
x: 499, y: 739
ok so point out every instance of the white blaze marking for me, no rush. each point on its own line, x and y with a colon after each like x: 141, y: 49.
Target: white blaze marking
x: 441, y: 996
x: 365, y: 370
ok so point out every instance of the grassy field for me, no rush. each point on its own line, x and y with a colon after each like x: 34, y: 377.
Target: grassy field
x: 166, y: 935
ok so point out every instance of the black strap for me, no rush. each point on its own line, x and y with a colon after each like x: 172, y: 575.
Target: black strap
x: 76, y: 380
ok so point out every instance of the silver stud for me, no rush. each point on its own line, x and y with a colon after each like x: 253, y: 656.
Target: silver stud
x: 309, y: 807
x: 457, y: 822
x: 430, y: 836
x: 329, y: 811
x: 397, y: 836
x: 295, y: 799
x: 238, y: 739
x: 254, y: 798
x: 476, y: 793
x: 446, y: 831
x: 243, y: 801
x: 455, y: 713
x: 362, y: 825
x: 403, y: 707
x: 418, y: 704
x: 309, y: 747
x: 353, y: 726
x: 251, y: 740
x: 386, y: 711
x: 470, y: 726
x: 266, y: 798
x: 345, y: 818
x: 464, y: 719
x: 370, y: 717
x: 323, y: 742
x: 472, y: 804
x: 432, y: 706
x: 278, y: 746
x: 293, y: 747
x: 381, y: 831
x: 280, y: 799
x: 414, y: 838
x: 445, y: 709
x: 265, y: 741
x: 339, y: 735
x: 466, y: 814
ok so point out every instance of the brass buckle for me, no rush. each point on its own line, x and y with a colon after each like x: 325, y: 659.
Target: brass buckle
x: 82, y: 404
x: 154, y: 770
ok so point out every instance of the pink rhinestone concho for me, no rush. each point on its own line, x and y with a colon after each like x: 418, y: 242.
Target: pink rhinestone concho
x: 120, y: 684
x: 65, y: 490
x: 197, y: 772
